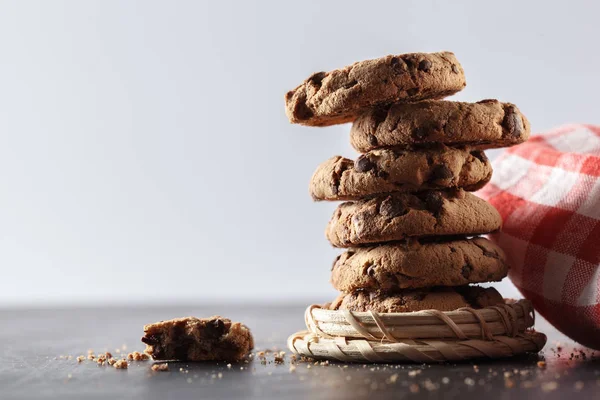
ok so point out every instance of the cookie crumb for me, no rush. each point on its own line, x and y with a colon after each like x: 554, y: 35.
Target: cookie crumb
x: 160, y: 367
x: 111, y: 361
x: 292, y: 368
x: 135, y: 356
x: 541, y: 364
x: 107, y: 355
x: 91, y: 356
x: 80, y: 359
x: 414, y: 388
x: 121, y: 364
x: 393, y: 378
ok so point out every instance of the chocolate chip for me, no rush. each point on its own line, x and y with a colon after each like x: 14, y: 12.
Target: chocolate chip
x: 372, y: 140
x: 396, y: 65
x: 487, y: 101
x: 317, y: 78
x: 434, y: 202
x: 466, y: 270
x: 351, y: 84
x: 158, y: 352
x: 420, y: 133
x: 425, y: 65
x: 150, y: 340
x: 452, y: 249
x: 215, y: 329
x: 363, y: 164
x: 512, y: 122
x: 397, y: 153
x: 382, y: 174
x: 409, y: 62
x: 181, y: 342
x: 441, y: 171
x: 412, y: 92
x: 455, y: 69
x: 480, y: 155
x: 392, y: 207
x: 371, y: 271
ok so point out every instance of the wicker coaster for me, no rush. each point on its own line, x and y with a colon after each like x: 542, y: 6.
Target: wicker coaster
x: 423, y: 336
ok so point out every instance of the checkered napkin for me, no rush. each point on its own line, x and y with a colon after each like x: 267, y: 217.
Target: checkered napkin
x: 548, y: 193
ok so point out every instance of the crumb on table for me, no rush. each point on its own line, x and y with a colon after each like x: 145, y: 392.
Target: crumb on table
x: 160, y: 367
x: 121, y: 364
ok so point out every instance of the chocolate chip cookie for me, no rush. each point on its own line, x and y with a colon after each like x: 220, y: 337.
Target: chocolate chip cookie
x: 193, y: 339
x: 339, y: 96
x: 401, y: 215
x: 390, y: 170
x: 486, y: 124
x: 411, y: 265
x: 441, y: 299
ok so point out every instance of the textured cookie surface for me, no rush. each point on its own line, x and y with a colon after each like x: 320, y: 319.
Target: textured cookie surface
x: 339, y: 96
x: 194, y: 339
x: 389, y: 170
x: 441, y: 299
x: 412, y: 264
x: 486, y: 124
x: 401, y: 215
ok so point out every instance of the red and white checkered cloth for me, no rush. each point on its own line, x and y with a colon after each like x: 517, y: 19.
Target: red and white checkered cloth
x: 548, y: 193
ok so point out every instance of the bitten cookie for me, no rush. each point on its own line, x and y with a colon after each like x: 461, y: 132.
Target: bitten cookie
x: 390, y: 170
x: 339, y: 96
x: 416, y: 265
x: 441, y: 299
x: 401, y: 215
x: 486, y: 124
x: 194, y: 339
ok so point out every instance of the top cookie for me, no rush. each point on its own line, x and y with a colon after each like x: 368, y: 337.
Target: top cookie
x: 341, y: 95
x: 486, y: 124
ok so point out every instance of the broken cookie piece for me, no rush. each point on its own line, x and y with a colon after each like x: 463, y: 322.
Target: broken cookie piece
x: 193, y: 339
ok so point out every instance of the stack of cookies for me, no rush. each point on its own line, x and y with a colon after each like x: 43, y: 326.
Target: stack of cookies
x: 409, y: 221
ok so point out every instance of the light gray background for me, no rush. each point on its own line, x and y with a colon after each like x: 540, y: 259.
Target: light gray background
x: 144, y: 151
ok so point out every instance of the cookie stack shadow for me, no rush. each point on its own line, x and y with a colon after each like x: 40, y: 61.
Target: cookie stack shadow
x: 409, y: 223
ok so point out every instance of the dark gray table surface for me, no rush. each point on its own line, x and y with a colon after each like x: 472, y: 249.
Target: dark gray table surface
x: 33, y: 342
